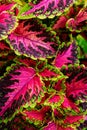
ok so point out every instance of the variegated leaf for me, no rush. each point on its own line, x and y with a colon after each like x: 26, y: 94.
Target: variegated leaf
x: 66, y: 55
x: 76, y: 83
x: 17, y: 88
x: 8, y: 22
x: 31, y: 39
x: 48, y: 8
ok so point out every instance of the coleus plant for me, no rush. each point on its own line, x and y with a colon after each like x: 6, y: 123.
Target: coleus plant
x: 43, y: 78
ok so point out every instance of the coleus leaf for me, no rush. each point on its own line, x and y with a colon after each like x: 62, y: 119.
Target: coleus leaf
x: 66, y: 55
x: 17, y: 88
x: 32, y: 40
x: 8, y: 22
x: 76, y: 83
x: 50, y: 8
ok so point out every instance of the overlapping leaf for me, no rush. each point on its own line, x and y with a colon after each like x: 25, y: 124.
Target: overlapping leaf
x: 66, y: 55
x: 76, y: 84
x: 50, y: 8
x: 17, y: 88
x: 8, y: 22
x: 32, y: 40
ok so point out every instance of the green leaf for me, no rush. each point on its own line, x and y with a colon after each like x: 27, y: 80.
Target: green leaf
x: 82, y: 43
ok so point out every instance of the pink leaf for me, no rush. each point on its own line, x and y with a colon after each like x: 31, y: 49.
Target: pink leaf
x: 48, y: 7
x: 31, y: 39
x: 37, y: 115
x: 17, y: 88
x: 66, y: 55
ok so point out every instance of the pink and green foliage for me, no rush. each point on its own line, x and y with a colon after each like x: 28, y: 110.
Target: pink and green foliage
x: 43, y: 84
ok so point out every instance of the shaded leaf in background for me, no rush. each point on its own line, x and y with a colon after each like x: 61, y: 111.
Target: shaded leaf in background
x: 76, y: 24
x: 32, y: 40
x: 18, y: 123
x: 17, y: 88
x: 27, y: 61
x: 4, y: 48
x: 50, y: 8
x: 6, y: 60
